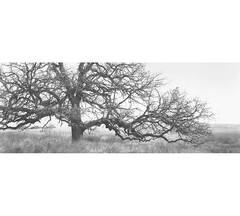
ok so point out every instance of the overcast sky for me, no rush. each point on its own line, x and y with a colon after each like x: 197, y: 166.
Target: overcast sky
x: 215, y: 83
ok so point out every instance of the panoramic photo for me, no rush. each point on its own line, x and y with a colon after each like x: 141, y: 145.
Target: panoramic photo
x: 90, y: 107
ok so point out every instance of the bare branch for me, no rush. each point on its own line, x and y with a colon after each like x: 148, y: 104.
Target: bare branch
x: 124, y: 97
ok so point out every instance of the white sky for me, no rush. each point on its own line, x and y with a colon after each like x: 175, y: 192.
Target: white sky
x: 215, y: 83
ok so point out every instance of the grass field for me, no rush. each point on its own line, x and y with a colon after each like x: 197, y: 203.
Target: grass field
x: 59, y: 142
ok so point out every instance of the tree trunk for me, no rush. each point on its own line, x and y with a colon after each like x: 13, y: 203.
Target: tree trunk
x: 77, y: 133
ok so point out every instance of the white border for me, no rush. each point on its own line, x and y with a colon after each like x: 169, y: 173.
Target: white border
x: 119, y: 184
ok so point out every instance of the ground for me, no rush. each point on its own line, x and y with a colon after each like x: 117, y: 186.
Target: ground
x: 223, y: 140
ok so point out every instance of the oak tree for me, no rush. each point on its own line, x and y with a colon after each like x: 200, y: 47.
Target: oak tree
x: 123, y: 97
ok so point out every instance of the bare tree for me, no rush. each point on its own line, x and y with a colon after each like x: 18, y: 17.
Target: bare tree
x: 125, y: 98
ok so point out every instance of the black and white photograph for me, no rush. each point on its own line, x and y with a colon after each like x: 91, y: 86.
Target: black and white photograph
x: 92, y: 107
x: 119, y: 108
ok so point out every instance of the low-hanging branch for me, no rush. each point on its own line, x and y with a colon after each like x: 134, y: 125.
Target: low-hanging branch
x: 123, y: 97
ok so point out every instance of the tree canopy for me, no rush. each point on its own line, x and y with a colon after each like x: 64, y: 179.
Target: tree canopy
x: 123, y: 97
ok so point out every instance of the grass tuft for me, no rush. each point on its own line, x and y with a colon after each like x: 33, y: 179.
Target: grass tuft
x: 45, y: 142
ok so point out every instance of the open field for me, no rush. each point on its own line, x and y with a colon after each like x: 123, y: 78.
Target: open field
x: 222, y: 141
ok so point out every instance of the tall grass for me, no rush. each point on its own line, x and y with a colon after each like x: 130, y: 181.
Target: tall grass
x: 55, y: 142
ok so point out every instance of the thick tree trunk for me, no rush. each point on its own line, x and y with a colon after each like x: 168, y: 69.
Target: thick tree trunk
x: 77, y: 133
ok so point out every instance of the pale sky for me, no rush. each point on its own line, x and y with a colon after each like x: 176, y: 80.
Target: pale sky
x: 218, y: 84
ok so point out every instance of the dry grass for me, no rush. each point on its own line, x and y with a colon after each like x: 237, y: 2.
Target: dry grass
x: 55, y: 142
